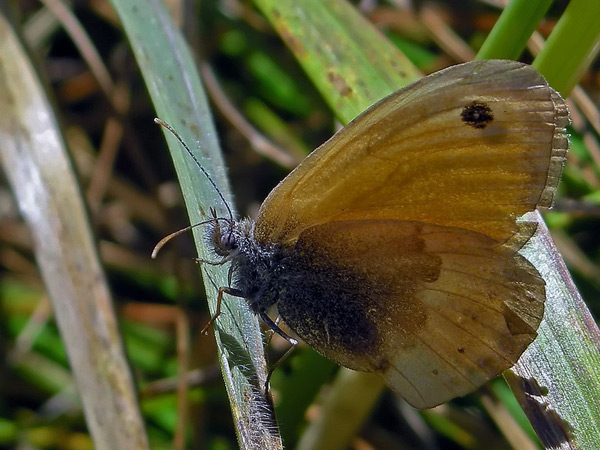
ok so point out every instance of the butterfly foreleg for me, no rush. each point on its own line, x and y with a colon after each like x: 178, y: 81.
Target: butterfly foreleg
x: 212, y: 263
x: 222, y: 290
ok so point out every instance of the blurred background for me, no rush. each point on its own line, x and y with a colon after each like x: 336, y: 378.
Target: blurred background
x: 269, y: 116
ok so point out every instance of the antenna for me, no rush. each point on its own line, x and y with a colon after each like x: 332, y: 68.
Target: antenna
x: 166, y: 239
x: 164, y: 124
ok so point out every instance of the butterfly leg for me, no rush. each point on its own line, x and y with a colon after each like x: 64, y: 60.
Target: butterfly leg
x: 273, y: 326
x: 293, y: 342
x: 211, y: 263
x: 222, y: 290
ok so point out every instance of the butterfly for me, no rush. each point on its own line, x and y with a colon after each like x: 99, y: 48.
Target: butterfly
x: 393, y: 248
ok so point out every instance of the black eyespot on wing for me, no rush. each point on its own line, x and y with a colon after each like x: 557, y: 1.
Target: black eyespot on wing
x: 477, y: 115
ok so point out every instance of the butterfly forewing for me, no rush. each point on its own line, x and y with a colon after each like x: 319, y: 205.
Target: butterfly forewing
x: 473, y: 146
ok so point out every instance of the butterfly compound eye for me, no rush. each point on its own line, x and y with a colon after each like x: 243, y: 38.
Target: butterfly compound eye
x: 228, y: 241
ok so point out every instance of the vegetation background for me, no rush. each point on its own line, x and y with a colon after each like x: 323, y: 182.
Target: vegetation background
x: 268, y: 116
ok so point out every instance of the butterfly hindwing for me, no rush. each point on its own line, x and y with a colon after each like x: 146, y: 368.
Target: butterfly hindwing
x: 437, y: 311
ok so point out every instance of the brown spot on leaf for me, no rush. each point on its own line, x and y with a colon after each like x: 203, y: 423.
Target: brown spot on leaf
x: 339, y: 83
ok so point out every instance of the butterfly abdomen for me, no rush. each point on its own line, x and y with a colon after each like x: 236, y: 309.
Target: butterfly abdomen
x: 326, y: 305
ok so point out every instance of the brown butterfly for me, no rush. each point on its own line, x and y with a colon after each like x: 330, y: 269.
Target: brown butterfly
x: 393, y: 247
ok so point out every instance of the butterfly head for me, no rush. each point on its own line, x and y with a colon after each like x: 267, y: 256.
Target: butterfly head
x: 228, y: 237
x: 221, y: 235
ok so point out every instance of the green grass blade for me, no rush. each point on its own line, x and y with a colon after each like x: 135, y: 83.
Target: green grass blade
x: 38, y: 166
x: 573, y: 44
x: 176, y: 91
x: 557, y: 379
x: 348, y: 60
x: 510, y: 34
